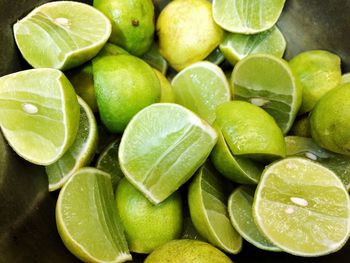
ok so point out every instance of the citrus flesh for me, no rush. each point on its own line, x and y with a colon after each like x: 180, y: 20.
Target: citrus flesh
x: 215, y: 57
x: 346, y: 78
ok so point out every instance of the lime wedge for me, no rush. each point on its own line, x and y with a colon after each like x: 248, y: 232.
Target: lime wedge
x: 166, y: 91
x: 61, y: 35
x: 216, y: 57
x: 207, y: 198
x: 201, y: 87
x: 272, y: 86
x: 247, y: 16
x: 346, y: 78
x: 241, y: 215
x: 79, y: 154
x: 155, y: 59
x: 39, y: 114
x: 302, y: 207
x: 87, y: 219
x: 162, y: 147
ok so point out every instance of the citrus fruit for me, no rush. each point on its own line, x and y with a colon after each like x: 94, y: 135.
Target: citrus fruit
x: 155, y: 59
x: 215, y: 57
x: 201, y: 87
x: 110, y: 49
x: 302, y: 207
x: 61, y: 35
x: 189, y: 231
x: 162, y: 147
x: 187, y: 32
x: 301, y: 126
x: 346, y: 78
x: 272, y: 87
x: 247, y: 16
x: 87, y: 220
x: 207, y: 199
x: 39, y: 114
x: 124, y: 84
x: 167, y: 93
x: 79, y: 154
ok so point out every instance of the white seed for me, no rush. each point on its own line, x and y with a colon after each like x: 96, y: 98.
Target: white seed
x: 299, y: 201
x: 289, y: 210
x: 311, y: 156
x: 259, y: 101
x: 29, y: 108
x: 62, y: 21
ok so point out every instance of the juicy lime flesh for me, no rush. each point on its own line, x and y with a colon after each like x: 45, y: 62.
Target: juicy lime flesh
x: 302, y: 207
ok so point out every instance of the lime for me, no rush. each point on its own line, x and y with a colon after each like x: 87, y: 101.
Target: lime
x: 124, y: 84
x: 87, y: 220
x: 61, y: 35
x: 318, y: 72
x: 187, y: 251
x: 112, y: 50
x: 272, y: 87
x: 346, y: 78
x: 302, y: 207
x: 79, y: 154
x: 247, y: 16
x: 167, y: 93
x: 162, y: 147
x: 207, y: 199
x: 189, y: 231
x: 155, y: 59
x: 301, y: 126
x: 236, y: 47
x: 187, y: 32
x: 39, y: 114
x: 240, y: 210
x: 216, y: 57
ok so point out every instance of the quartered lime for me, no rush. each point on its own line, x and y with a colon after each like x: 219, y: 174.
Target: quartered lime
x: 87, y: 219
x: 39, y: 114
x: 302, y: 207
x: 62, y: 34
x: 166, y: 91
x: 155, y: 59
x: 346, y: 78
x: 162, y: 147
x: 272, y: 86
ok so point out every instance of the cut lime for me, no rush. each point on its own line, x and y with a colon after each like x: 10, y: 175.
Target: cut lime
x: 216, y: 57
x: 207, y: 199
x: 39, y: 114
x: 346, y: 78
x: 162, y: 147
x: 155, y: 59
x: 302, y: 207
x: 87, y: 219
x: 247, y: 16
x: 166, y: 91
x: 272, y: 87
x: 62, y: 34
x: 79, y: 154
x: 201, y: 87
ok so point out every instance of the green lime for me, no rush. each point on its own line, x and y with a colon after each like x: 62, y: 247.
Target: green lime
x: 346, y: 78
x: 39, y: 114
x: 302, y: 207
x: 112, y: 50
x: 189, y: 231
x: 87, y: 219
x: 272, y: 87
x: 79, y: 154
x: 167, y: 93
x: 162, y: 147
x: 216, y: 57
x: 247, y: 16
x: 207, y: 199
x: 201, y: 87
x: 301, y: 126
x: 61, y: 35
x: 155, y: 59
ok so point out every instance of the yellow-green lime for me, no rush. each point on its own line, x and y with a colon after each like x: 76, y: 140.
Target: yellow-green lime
x: 207, y: 199
x: 301, y: 126
x: 162, y: 147
x: 166, y: 91
x: 155, y: 59
x: 345, y: 78
x: 247, y: 16
x: 112, y: 50
x: 39, y: 114
x: 87, y: 219
x: 216, y: 57
x: 79, y: 154
x: 302, y: 207
x: 61, y: 35
x: 268, y: 82
x: 147, y: 226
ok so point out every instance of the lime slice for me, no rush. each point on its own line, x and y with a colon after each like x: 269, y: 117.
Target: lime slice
x: 272, y: 86
x: 79, y: 154
x: 201, y: 87
x: 236, y: 47
x: 39, y: 114
x: 346, y: 78
x: 87, y: 219
x: 302, y: 207
x: 61, y: 35
x: 207, y: 198
x: 216, y: 57
x: 155, y: 59
x: 247, y: 16
x: 162, y: 147
x: 240, y: 205
x: 166, y: 91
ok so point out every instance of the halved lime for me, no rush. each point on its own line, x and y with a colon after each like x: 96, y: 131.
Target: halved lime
x: 166, y: 91
x: 207, y: 199
x: 346, y: 78
x: 87, y: 219
x: 79, y: 154
x: 201, y: 87
x: 39, y: 114
x: 155, y: 59
x: 62, y: 34
x: 247, y: 16
x: 162, y: 147
x: 268, y: 82
x: 302, y: 207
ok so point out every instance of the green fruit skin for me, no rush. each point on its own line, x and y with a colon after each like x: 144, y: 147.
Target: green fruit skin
x: 132, y: 23
x: 148, y: 226
x: 124, y: 85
